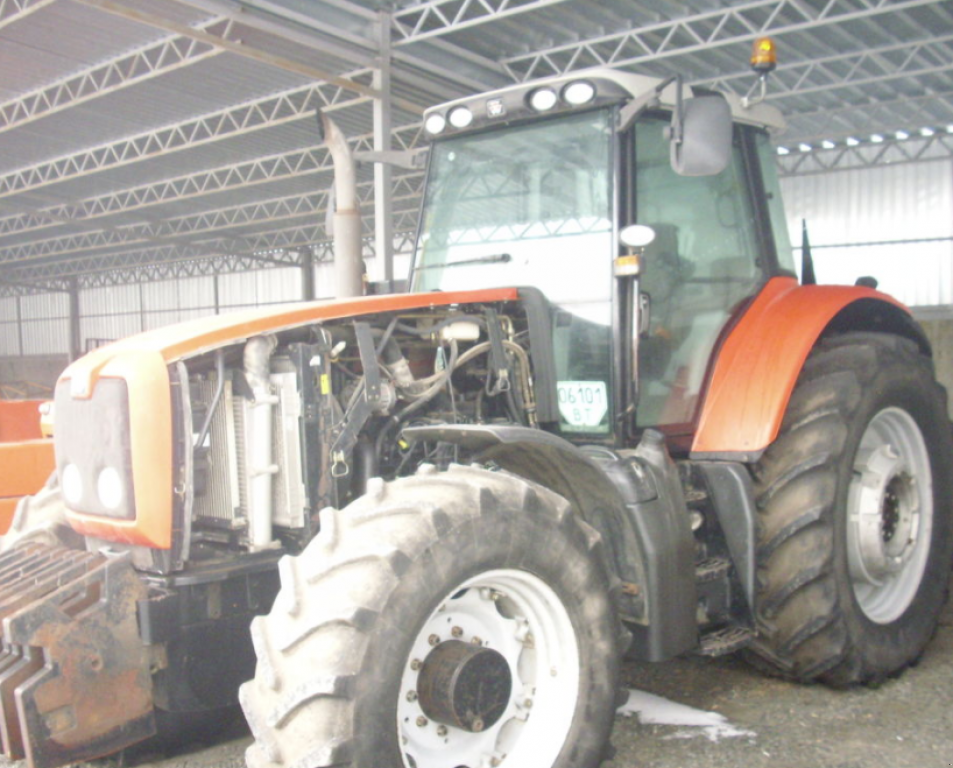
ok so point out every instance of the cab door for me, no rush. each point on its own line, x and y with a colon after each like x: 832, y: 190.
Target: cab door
x: 714, y: 249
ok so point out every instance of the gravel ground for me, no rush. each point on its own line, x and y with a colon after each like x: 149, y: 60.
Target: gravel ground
x: 904, y: 723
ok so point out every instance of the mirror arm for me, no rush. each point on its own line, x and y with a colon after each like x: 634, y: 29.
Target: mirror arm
x: 677, y: 132
x: 411, y: 159
x: 636, y: 107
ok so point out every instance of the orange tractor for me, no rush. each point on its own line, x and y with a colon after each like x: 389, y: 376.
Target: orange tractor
x: 606, y: 419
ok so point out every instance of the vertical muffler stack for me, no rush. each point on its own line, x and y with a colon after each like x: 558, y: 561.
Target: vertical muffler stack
x: 348, y: 265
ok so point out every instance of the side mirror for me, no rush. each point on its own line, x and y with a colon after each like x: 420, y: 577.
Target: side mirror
x: 701, y: 136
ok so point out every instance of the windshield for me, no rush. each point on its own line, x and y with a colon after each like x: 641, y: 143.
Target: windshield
x: 525, y: 206
x: 532, y: 206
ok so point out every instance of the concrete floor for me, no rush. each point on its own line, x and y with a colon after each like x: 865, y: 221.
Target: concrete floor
x: 905, y: 723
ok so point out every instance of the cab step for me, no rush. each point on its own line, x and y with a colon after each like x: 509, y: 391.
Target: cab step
x: 725, y: 640
x: 712, y: 569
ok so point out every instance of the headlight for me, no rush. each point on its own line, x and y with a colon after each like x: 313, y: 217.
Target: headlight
x: 460, y: 117
x: 435, y: 124
x: 99, y: 480
x: 109, y: 487
x: 579, y: 92
x: 543, y: 99
x: 71, y: 481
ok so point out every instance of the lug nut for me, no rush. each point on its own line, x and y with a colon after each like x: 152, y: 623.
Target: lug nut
x: 476, y: 640
x: 442, y: 730
x: 433, y: 639
x: 416, y: 664
x: 422, y: 721
x: 456, y: 631
x: 411, y: 695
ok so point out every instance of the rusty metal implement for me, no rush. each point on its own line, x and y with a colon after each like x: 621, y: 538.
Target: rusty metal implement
x: 74, y: 675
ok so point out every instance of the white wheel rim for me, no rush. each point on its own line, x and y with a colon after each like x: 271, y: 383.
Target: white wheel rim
x: 890, y: 515
x: 537, y: 640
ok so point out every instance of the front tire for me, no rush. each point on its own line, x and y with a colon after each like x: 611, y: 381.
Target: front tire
x: 447, y: 619
x: 855, y: 531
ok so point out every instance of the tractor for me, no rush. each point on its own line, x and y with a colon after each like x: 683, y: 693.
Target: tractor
x: 606, y: 420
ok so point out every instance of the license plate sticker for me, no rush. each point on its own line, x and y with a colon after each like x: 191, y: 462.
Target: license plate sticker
x: 582, y: 404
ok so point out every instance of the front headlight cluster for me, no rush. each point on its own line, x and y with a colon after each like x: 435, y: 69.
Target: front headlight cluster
x: 110, y: 488
x: 92, y: 450
x: 576, y: 93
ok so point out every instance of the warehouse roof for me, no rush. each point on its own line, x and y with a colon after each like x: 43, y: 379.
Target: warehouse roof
x: 144, y: 138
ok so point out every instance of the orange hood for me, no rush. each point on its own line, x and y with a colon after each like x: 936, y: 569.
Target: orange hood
x: 175, y: 342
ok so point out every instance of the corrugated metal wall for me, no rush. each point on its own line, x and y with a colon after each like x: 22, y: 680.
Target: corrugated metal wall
x: 45, y: 324
x: 112, y: 313
x: 893, y: 222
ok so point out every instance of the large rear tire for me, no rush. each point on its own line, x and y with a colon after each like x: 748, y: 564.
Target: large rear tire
x: 855, y: 531
x: 457, y: 619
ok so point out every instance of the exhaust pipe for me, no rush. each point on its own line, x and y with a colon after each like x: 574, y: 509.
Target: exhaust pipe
x: 348, y: 266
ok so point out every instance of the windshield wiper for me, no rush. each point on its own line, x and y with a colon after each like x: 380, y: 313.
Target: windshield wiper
x: 496, y: 257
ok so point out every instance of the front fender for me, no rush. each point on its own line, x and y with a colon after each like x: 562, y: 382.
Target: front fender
x: 759, y: 362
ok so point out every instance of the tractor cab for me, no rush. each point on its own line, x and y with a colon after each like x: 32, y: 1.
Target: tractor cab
x: 533, y: 185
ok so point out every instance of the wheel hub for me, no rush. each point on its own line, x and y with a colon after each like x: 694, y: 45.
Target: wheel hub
x: 464, y: 685
x: 889, y: 515
x: 886, y: 515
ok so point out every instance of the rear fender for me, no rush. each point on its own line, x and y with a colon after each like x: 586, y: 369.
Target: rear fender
x: 759, y: 362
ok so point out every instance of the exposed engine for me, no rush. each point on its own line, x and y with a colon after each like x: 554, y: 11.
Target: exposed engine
x: 285, y: 425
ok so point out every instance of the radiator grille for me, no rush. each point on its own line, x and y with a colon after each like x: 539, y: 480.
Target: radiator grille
x: 222, y: 500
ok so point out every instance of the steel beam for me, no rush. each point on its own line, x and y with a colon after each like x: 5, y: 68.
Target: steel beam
x: 240, y: 49
x: 888, y: 116
x: 851, y: 69
x: 196, y: 264
x: 93, y: 211
x: 14, y: 10
x: 187, y: 244
x: 422, y: 21
x: 249, y: 117
x: 230, y: 220
x: 383, y: 174
x: 867, y: 155
x: 108, y: 77
x: 704, y: 31
x: 910, y: 58
x: 75, y: 338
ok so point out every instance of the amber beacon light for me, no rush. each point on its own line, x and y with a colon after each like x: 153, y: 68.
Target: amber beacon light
x: 764, y: 55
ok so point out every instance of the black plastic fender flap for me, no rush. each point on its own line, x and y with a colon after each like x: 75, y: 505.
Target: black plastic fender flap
x: 562, y: 467
x: 75, y: 681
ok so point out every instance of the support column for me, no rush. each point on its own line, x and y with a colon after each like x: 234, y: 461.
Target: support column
x: 383, y: 187
x: 75, y: 346
x: 20, y: 325
x: 307, y: 274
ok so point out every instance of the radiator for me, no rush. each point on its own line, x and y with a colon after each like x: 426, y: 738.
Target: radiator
x: 224, y: 502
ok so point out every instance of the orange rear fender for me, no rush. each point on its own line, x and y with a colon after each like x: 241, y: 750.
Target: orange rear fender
x: 759, y: 363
